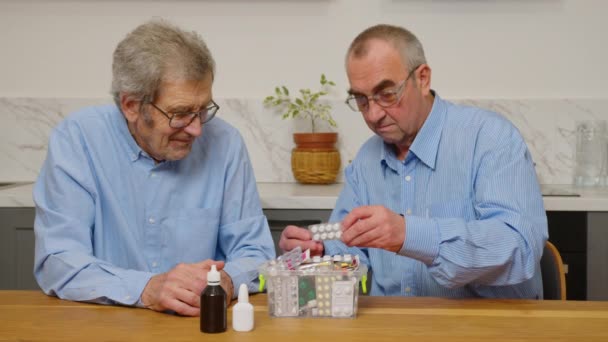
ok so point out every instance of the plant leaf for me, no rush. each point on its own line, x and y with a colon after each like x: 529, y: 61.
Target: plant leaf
x: 307, y: 106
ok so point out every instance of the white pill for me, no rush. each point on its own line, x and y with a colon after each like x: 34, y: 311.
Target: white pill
x: 323, y: 236
x: 338, y: 234
x: 330, y: 235
x: 321, y: 228
x: 316, y: 237
x: 314, y: 229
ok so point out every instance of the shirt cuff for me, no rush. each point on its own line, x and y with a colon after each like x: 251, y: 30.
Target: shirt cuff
x: 243, y: 271
x: 136, y: 282
x: 331, y: 247
x: 421, y: 239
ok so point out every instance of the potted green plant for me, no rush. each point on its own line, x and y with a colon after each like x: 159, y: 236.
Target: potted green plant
x: 315, y: 158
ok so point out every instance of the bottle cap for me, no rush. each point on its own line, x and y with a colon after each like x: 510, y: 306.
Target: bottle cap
x: 242, y: 312
x: 243, y: 294
x: 213, y: 276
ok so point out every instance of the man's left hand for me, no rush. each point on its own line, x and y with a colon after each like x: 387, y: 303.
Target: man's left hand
x: 374, y: 226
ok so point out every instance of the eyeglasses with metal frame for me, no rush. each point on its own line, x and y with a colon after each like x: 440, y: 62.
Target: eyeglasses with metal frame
x: 181, y: 120
x: 384, y: 98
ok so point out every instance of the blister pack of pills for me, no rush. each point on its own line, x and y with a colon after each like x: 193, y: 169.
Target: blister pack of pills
x: 290, y: 260
x: 326, y: 231
x: 284, y: 290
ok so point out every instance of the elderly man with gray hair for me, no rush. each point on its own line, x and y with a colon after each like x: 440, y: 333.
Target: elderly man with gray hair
x: 137, y: 200
x: 443, y: 200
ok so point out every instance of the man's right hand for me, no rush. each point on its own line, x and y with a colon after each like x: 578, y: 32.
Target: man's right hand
x: 179, y: 289
x: 293, y: 236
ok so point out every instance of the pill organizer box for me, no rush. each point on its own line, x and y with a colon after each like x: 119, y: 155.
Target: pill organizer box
x: 301, y: 287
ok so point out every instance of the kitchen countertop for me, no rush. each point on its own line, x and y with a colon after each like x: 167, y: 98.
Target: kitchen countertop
x: 298, y: 196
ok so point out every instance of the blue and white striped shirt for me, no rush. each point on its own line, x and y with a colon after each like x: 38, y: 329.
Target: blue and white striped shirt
x: 108, y: 218
x: 475, y: 221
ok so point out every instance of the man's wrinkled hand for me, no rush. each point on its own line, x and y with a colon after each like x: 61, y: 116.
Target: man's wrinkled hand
x: 374, y: 226
x: 179, y: 289
x: 293, y: 236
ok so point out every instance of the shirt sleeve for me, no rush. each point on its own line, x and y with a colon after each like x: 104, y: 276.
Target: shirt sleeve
x: 503, y: 245
x: 65, y: 197
x: 244, y: 236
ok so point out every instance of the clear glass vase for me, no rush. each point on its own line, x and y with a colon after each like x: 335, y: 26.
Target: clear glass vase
x: 590, y: 153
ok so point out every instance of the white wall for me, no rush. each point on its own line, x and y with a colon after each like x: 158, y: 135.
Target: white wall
x: 477, y: 48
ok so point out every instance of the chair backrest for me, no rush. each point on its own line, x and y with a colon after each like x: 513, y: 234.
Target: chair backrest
x: 553, y: 274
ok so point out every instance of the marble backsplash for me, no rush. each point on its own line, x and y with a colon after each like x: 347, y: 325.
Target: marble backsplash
x: 546, y: 124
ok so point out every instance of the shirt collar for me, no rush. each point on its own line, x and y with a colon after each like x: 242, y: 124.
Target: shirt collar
x: 127, y: 141
x: 426, y: 143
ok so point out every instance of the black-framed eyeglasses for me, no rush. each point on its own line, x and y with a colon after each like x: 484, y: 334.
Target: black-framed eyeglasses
x: 181, y: 120
x: 384, y: 98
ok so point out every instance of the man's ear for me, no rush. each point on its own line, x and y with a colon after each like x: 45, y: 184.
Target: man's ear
x: 130, y: 107
x: 424, y: 78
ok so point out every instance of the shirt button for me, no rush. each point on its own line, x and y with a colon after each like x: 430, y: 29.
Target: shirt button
x: 152, y: 174
x: 408, y: 289
x: 408, y: 178
x: 408, y: 212
x: 127, y: 297
x: 151, y: 220
x: 154, y: 264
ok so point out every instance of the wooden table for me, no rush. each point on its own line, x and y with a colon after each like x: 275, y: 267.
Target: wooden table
x: 33, y: 316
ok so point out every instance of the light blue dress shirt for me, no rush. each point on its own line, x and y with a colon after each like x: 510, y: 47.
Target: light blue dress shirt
x: 108, y: 218
x: 474, y: 216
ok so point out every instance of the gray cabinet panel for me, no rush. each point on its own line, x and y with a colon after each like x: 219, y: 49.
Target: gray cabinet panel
x: 597, y: 256
x: 17, y: 245
x: 17, y: 249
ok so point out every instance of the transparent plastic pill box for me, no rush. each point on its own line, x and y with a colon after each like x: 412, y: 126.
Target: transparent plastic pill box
x: 300, y: 286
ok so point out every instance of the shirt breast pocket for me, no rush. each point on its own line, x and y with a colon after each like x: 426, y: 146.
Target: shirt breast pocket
x: 192, y: 233
x: 454, y: 208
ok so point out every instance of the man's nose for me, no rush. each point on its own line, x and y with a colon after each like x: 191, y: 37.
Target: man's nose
x: 195, y: 128
x: 375, y: 112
